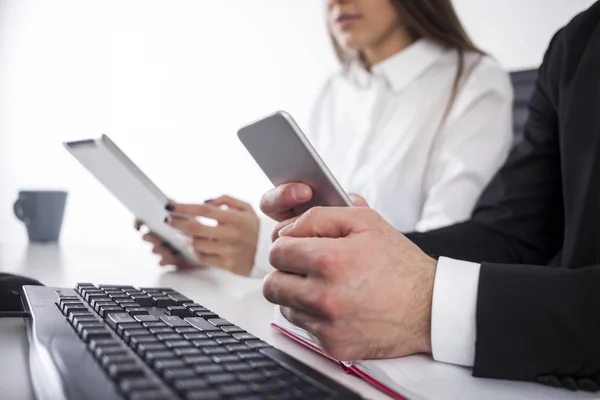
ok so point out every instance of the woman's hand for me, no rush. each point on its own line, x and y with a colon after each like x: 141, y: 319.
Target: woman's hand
x: 231, y: 244
x: 168, y: 255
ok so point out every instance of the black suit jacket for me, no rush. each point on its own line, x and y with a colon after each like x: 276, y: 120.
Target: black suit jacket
x: 536, y: 229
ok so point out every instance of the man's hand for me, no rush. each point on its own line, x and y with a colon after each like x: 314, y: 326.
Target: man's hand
x: 354, y: 282
x: 279, y: 203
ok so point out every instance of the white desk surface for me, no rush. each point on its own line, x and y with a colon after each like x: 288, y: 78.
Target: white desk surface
x: 235, y: 298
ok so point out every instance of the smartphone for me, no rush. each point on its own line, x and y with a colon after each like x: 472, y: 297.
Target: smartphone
x: 285, y: 155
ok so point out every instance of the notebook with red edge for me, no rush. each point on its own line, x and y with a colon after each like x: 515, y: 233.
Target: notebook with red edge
x: 419, y: 377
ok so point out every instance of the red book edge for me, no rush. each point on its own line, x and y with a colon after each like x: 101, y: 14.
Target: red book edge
x: 348, y: 370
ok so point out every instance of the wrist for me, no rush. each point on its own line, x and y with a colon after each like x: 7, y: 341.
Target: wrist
x: 425, y: 301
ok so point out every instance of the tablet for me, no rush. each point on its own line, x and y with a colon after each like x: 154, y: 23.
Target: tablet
x: 285, y: 155
x: 130, y: 186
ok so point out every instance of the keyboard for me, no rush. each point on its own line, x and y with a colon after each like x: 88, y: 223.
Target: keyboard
x: 120, y: 342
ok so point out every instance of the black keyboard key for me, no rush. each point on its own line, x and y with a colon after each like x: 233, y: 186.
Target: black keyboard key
x: 195, y: 306
x: 201, y: 324
x: 82, y: 285
x: 119, y: 318
x: 120, y: 371
x: 173, y: 344
x: 180, y: 299
x: 119, y: 350
x: 89, y: 325
x: 129, y: 333
x: 227, y: 340
x: 264, y: 387
x: 206, y: 314
x: 125, y: 302
x: 65, y: 303
x: 163, y: 301
x: 208, y: 394
x: 171, y: 363
x: 103, y: 343
x: 107, y: 360
x: 179, y: 311
x: 106, y: 311
x: 144, y: 300
x: 232, y: 329
x: 186, y: 351
x: 274, y: 371
x: 188, y: 329
x: 137, y: 384
x: 127, y: 326
x: 158, y: 394
x: 207, y: 369
x: 169, y: 336
x: 210, y: 351
x: 71, y: 308
x: 88, y: 334
x: 96, y: 297
x: 100, y: 304
x: 173, y: 320
x: 236, y: 347
x: 262, y: 363
x: 153, y: 324
x: 205, y: 343
x: 146, y: 318
x: 217, y: 334
x: 217, y: 379
x: 199, y: 359
x: 257, y: 344
x: 219, y: 322
x: 237, y: 367
x: 135, y: 341
x: 184, y: 385
x: 178, y: 373
x: 225, y: 358
x: 233, y: 389
x: 153, y: 356
x: 118, y: 296
x: 195, y: 336
x: 244, y: 336
x: 250, y: 355
x: 164, y: 329
x: 136, y: 311
x: 143, y: 348
x: 133, y: 292
x: 251, y: 377
x: 151, y: 290
x: 76, y: 319
x: 97, y: 300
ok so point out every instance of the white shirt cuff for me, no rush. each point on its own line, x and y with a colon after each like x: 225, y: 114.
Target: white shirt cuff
x: 261, y: 260
x: 453, y: 329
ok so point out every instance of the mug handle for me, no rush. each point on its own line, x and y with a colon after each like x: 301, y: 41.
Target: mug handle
x: 19, y: 213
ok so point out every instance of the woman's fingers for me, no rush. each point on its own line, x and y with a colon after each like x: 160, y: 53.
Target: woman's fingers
x: 211, y: 211
x: 194, y: 228
x: 230, y: 202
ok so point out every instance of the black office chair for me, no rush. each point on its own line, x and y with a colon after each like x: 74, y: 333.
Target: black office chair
x: 523, y: 84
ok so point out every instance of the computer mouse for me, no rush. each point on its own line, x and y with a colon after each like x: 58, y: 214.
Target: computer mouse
x: 11, y: 289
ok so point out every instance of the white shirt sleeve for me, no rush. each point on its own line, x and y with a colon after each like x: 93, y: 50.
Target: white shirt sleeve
x: 454, y: 305
x: 261, y: 259
x: 473, y: 144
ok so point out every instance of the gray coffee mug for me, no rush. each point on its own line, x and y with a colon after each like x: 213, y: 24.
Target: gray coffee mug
x: 42, y: 213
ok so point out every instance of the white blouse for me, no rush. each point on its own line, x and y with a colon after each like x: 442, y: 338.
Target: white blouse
x: 384, y: 136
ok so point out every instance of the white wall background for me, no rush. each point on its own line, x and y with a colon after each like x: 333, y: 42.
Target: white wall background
x: 171, y: 81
